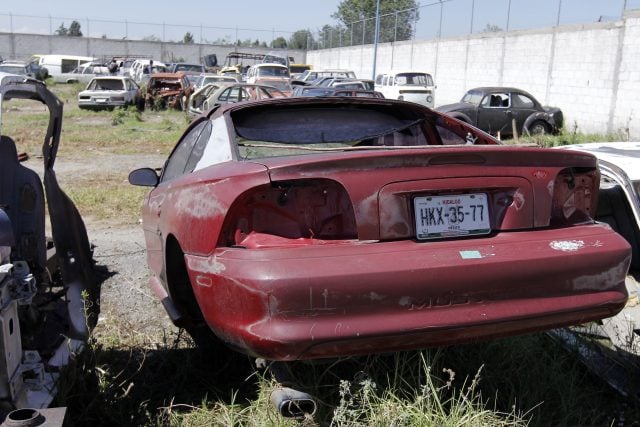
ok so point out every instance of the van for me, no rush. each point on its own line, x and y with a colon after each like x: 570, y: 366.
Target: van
x: 141, y: 69
x: 59, y: 64
x: 413, y: 86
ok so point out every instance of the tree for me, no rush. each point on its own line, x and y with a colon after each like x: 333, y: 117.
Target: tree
x: 74, y: 29
x: 62, y: 30
x: 279, y: 42
x: 358, y: 16
x: 492, y: 28
x: 151, y: 38
x: 188, y: 38
x: 301, y: 39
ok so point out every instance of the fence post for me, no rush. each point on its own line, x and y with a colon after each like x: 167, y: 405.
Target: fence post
x: 351, y: 38
x: 508, y: 14
x: 558, y: 16
x: 50, y: 26
x: 473, y: 7
x: 395, y: 29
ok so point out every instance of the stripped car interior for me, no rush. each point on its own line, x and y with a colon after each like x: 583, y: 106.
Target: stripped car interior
x: 49, y: 299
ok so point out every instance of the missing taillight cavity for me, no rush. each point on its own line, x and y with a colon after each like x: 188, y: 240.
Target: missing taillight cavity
x: 302, y: 209
x: 575, y: 196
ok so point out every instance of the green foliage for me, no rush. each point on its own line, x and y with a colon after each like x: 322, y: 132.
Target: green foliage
x: 301, y: 39
x: 62, y: 30
x: 74, y: 29
x: 492, y: 28
x: 358, y: 17
x: 279, y: 43
x: 118, y: 116
x: 188, y: 38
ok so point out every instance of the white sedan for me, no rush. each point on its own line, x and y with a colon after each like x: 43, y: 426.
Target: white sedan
x: 106, y: 93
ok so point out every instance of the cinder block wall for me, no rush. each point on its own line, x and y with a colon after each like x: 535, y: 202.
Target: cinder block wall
x: 23, y: 46
x: 591, y: 71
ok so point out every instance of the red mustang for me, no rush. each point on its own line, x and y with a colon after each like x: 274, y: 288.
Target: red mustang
x: 303, y: 228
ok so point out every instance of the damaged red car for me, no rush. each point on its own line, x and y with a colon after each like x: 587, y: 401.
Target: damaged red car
x: 309, y: 228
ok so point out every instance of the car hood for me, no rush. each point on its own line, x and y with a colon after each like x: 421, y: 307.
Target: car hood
x: 453, y: 107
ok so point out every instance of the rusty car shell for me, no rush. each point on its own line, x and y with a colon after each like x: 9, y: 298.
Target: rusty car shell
x: 167, y: 90
x: 289, y: 229
x: 49, y: 298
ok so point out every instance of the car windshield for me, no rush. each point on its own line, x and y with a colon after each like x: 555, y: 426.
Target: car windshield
x: 106, y: 84
x: 13, y: 69
x: 413, y: 79
x: 273, y: 71
x: 472, y: 97
x: 188, y: 67
x: 269, y: 134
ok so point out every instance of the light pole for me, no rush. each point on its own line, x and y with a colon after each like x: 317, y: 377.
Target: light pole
x: 375, y: 39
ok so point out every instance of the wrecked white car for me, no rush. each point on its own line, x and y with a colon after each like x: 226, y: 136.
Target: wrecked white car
x: 49, y: 299
x: 618, y: 361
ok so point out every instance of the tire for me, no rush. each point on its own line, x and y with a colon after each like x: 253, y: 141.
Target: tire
x: 538, y: 127
x: 185, y: 300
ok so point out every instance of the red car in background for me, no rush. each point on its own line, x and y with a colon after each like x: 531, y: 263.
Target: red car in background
x: 302, y: 228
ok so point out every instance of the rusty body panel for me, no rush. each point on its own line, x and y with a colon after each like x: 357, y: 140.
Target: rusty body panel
x: 167, y: 90
x: 299, y: 221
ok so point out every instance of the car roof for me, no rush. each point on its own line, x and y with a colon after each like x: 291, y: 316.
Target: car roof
x: 168, y: 75
x: 487, y: 89
x: 402, y: 71
x: 625, y: 155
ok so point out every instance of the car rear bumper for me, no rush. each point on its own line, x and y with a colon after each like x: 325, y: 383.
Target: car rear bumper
x: 93, y: 105
x: 332, y: 300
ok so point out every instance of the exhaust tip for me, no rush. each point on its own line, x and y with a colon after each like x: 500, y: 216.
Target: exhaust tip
x: 292, y: 403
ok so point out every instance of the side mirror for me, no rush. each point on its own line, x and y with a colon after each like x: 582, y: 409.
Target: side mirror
x: 145, y: 177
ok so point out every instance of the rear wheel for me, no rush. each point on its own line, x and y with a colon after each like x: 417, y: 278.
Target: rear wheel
x: 539, y: 127
x: 185, y: 300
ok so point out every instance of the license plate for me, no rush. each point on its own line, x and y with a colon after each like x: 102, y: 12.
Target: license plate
x: 101, y: 99
x: 451, y: 216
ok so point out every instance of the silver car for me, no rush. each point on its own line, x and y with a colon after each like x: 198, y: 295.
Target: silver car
x: 106, y: 93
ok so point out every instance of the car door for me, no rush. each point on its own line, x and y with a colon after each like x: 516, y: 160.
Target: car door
x: 153, y: 212
x: 522, y: 107
x: 495, y: 114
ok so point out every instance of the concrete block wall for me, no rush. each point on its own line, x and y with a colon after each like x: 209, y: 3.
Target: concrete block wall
x: 23, y: 46
x: 592, y: 71
x: 626, y: 113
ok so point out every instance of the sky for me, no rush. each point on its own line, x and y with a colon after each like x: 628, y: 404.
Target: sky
x: 259, y: 19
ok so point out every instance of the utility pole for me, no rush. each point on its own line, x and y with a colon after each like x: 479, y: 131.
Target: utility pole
x: 375, y: 41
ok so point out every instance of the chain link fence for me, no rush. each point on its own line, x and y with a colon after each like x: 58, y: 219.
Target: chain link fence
x: 136, y: 30
x: 435, y: 19
x: 455, y: 18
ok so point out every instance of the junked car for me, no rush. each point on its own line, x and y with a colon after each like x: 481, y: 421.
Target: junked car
x: 167, y: 90
x: 110, y: 92
x: 496, y: 109
x: 206, y: 78
x: 303, y: 228
x: 49, y: 298
x: 414, y: 86
x: 82, y: 74
x: 270, y: 74
x: 225, y: 93
x: 30, y: 69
